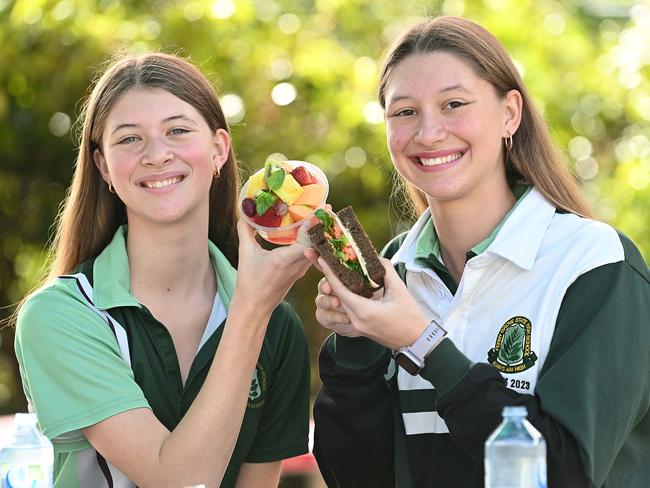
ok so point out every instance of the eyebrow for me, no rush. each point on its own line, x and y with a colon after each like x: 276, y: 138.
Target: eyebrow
x: 168, y: 119
x: 446, y: 89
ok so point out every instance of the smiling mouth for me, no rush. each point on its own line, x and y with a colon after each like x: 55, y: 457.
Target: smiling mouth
x: 441, y: 160
x: 162, y: 183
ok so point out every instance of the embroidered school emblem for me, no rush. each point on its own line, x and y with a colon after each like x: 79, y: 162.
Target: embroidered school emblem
x: 257, y: 393
x: 511, y: 352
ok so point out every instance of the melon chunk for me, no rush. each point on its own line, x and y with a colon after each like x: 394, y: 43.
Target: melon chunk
x: 312, y: 195
x: 300, y: 212
x: 283, y: 236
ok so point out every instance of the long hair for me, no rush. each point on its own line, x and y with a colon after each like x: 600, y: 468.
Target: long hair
x: 90, y: 213
x: 534, y: 159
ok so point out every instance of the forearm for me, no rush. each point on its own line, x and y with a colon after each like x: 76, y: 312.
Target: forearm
x: 200, y: 447
x: 471, y: 403
x: 254, y: 475
x: 353, y: 415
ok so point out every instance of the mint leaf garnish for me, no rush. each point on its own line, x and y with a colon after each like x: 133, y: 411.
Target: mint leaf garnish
x: 263, y: 202
x: 275, y: 179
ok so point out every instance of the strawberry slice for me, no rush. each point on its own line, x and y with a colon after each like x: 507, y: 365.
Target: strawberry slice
x: 303, y: 177
x: 268, y: 219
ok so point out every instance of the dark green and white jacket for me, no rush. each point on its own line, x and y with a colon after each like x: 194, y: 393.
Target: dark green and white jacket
x: 551, y: 313
x: 88, y: 350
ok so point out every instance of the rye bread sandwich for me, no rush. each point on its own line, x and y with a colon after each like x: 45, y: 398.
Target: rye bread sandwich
x: 343, y: 243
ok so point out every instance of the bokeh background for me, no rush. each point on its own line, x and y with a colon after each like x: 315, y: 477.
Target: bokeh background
x: 299, y: 78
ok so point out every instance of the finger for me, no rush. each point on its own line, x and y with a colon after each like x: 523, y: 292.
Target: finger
x: 324, y: 287
x: 331, y: 319
x: 328, y: 302
x: 302, y: 236
x: 295, y: 251
x: 346, y: 330
x: 245, y: 232
x: 312, y: 257
x: 339, y: 289
x: 392, y: 280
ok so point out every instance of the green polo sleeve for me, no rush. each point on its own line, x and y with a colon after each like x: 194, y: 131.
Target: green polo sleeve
x: 284, y: 425
x: 70, y: 363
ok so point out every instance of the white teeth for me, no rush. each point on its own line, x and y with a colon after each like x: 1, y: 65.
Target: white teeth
x: 441, y: 160
x: 162, y: 183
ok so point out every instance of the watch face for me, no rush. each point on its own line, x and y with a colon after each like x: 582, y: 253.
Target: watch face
x: 406, y: 363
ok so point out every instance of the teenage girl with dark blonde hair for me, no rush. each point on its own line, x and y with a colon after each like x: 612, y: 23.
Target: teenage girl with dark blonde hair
x: 504, y: 292
x: 147, y: 357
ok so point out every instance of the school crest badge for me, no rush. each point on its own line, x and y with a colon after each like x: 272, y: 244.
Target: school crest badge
x: 512, y: 350
x: 257, y: 393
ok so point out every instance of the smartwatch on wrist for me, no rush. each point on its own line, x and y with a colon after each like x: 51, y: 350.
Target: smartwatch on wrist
x: 411, y: 358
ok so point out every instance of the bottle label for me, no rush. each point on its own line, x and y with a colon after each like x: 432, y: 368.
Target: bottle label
x: 26, y: 476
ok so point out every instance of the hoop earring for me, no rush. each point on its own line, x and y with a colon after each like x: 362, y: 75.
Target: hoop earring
x: 217, y: 172
x: 110, y: 187
x: 508, y: 142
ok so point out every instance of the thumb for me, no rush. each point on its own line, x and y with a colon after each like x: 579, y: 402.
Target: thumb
x: 345, y: 295
x: 391, y: 279
x: 245, y: 232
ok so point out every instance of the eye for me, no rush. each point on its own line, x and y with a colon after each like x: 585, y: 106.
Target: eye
x: 127, y: 140
x: 178, y: 131
x: 405, y: 112
x: 455, y: 104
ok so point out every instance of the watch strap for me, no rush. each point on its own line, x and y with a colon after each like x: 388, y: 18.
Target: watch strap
x: 411, y: 358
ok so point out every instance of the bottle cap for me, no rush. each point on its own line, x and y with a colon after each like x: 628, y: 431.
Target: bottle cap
x: 25, y: 420
x: 514, y: 411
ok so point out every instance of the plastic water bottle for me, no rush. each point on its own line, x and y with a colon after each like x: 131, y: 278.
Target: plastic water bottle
x: 515, y: 453
x: 26, y: 462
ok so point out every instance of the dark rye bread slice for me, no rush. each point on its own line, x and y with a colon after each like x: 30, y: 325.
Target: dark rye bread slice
x: 353, y: 280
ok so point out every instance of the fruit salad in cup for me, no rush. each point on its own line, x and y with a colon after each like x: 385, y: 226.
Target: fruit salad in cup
x: 279, y: 198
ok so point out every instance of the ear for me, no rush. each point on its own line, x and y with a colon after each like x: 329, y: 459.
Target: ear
x: 512, y: 110
x: 100, y: 162
x: 221, y: 147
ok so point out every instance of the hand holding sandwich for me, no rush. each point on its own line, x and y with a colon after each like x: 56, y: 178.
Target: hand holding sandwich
x: 391, y: 318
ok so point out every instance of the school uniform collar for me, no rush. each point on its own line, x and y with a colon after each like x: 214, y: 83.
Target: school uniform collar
x: 112, y: 275
x: 517, y: 238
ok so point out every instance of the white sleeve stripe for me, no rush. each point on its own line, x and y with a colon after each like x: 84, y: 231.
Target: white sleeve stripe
x: 424, y: 423
x: 120, y: 334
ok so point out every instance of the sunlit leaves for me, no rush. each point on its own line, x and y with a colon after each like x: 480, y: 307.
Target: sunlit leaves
x: 299, y: 78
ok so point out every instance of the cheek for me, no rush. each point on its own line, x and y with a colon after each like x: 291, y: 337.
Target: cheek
x: 395, y: 139
x: 120, y: 165
x: 198, y: 155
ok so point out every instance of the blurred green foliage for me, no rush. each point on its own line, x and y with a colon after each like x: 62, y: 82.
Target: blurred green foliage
x: 299, y: 77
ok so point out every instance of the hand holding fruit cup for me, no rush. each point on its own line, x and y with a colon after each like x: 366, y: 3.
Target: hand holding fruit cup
x: 282, y: 197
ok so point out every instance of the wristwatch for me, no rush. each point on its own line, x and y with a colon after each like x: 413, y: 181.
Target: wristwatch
x: 411, y: 358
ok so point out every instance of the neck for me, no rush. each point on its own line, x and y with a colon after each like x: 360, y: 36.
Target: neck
x: 168, y: 259
x: 463, y: 223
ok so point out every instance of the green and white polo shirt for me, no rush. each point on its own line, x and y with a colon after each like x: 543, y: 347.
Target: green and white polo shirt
x: 75, y: 375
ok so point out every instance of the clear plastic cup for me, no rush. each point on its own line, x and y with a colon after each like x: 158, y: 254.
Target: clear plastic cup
x: 287, y: 234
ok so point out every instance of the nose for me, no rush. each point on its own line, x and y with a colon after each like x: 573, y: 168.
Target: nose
x: 430, y: 131
x: 156, y: 153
